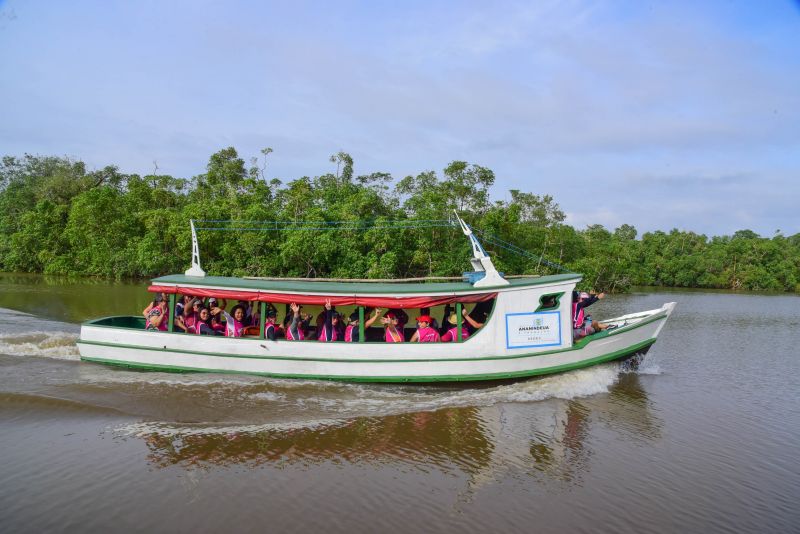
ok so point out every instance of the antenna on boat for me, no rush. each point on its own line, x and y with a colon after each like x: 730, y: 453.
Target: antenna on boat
x: 481, y: 261
x: 195, y: 269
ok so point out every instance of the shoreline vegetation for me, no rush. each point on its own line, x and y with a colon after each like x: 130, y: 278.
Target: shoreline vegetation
x: 59, y: 218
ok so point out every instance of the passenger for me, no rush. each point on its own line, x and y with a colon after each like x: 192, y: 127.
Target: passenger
x: 181, y: 303
x: 188, y: 319
x: 425, y: 333
x: 253, y: 319
x: 402, y: 317
x: 270, y: 329
x: 434, y: 322
x: 393, y: 333
x: 331, y: 327
x: 203, y: 324
x: 475, y: 323
x: 248, y: 311
x: 270, y: 311
x: 217, y: 322
x: 580, y: 326
x: 156, y: 314
x: 212, y: 303
x: 351, y: 333
x: 234, y: 325
x: 294, y: 329
x: 452, y: 332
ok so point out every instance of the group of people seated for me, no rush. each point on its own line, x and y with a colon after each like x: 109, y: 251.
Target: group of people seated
x: 194, y: 315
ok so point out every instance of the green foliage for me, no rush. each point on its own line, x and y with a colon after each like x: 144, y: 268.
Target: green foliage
x: 58, y: 217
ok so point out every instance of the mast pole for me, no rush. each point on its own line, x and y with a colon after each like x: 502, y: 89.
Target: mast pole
x: 481, y: 261
x: 195, y: 269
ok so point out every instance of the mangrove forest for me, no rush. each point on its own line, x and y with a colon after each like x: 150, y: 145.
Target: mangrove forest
x: 58, y: 217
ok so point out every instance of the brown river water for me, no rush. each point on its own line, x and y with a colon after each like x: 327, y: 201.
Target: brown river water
x: 703, y: 437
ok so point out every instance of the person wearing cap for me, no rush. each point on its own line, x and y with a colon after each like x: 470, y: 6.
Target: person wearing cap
x: 580, y: 301
x: 392, y: 333
x: 269, y: 324
x: 434, y: 322
x: 452, y: 332
x: 424, y: 333
x: 330, y: 329
x: 351, y: 333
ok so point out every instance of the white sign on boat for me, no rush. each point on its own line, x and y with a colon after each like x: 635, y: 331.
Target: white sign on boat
x: 525, y: 330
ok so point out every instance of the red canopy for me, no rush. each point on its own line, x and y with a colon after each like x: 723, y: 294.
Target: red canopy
x: 336, y: 300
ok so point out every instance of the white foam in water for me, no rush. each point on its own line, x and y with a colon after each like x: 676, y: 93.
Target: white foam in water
x: 58, y: 345
x: 267, y: 396
x: 323, y: 407
x: 648, y: 367
x: 144, y: 428
x: 22, y: 334
x: 386, y: 401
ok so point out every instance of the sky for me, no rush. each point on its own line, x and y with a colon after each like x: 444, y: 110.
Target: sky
x: 661, y: 115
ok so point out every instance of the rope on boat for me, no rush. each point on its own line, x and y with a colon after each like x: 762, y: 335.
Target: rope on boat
x: 257, y: 226
x: 375, y: 224
x: 511, y: 247
x: 374, y: 280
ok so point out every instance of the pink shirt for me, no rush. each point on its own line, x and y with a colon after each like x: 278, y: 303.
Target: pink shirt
x: 452, y: 334
x: 390, y: 339
x: 428, y: 335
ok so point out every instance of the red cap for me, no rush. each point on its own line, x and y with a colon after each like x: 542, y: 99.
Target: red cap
x: 425, y: 318
x: 391, y: 315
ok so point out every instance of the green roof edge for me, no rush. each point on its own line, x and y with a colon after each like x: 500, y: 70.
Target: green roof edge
x: 302, y: 287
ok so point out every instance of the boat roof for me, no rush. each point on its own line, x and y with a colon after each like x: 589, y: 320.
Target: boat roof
x: 349, y: 288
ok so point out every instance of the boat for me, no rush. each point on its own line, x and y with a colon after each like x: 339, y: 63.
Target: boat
x: 527, y: 329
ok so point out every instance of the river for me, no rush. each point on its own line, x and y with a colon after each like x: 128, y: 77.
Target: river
x: 703, y: 437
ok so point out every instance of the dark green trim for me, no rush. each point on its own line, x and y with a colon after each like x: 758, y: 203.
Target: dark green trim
x: 171, y: 321
x: 262, y: 321
x: 633, y: 349
x: 580, y: 345
x: 557, y: 297
x: 361, y: 332
x: 459, y: 335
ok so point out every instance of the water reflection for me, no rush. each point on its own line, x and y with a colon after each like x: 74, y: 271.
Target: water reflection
x: 546, y: 438
x: 71, y: 299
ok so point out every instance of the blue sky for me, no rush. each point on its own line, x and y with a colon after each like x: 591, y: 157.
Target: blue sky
x: 658, y: 114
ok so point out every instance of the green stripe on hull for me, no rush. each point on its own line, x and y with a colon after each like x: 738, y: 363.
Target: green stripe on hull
x: 628, y: 351
x: 577, y: 346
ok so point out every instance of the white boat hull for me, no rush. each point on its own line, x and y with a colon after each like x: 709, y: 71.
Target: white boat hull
x: 486, y: 356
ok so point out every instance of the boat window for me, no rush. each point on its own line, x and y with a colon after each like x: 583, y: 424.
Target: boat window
x: 313, y: 317
x: 550, y: 301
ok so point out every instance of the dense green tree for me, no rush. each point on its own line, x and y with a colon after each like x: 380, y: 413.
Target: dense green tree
x: 57, y: 216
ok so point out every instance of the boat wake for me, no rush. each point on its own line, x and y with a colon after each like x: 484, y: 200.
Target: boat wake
x: 290, y: 406
x: 58, y: 345
x: 22, y: 334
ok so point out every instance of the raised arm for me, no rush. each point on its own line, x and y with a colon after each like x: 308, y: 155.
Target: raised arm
x: 375, y: 314
x: 295, y: 320
x: 156, y: 321
x: 473, y: 322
